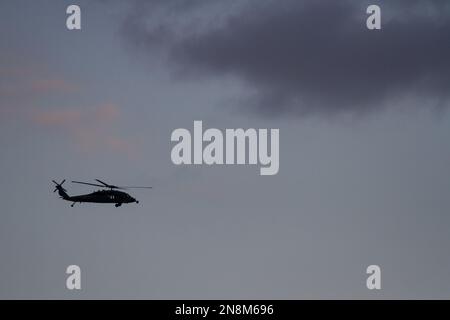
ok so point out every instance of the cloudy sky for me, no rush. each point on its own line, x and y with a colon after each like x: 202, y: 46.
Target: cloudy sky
x: 364, y: 148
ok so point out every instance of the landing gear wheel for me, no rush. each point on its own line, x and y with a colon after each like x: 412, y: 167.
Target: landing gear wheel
x: 118, y: 205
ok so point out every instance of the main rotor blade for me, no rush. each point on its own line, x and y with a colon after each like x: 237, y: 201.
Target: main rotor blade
x: 128, y: 187
x: 55, y: 182
x: 89, y: 184
x: 105, y: 184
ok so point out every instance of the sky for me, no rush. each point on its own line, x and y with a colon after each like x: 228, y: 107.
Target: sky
x: 364, y: 149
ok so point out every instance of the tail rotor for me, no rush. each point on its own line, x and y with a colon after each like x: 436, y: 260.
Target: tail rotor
x: 59, y: 186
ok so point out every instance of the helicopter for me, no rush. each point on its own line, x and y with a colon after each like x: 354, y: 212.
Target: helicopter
x: 100, y: 196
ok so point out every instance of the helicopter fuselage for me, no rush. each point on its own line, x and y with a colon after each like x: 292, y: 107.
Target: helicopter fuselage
x: 101, y: 196
x: 104, y: 196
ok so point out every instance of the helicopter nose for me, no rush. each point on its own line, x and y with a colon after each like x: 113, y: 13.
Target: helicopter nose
x: 134, y: 200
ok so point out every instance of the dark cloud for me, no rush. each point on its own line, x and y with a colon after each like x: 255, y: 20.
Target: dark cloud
x: 306, y: 57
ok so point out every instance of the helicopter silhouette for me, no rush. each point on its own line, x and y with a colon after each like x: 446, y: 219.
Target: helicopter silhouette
x: 100, y: 196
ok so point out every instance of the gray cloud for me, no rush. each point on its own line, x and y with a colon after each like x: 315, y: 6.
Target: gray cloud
x: 307, y: 57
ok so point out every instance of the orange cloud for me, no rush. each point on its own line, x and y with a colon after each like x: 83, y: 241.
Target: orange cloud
x: 23, y: 83
x: 107, y: 113
x: 57, y: 117
x: 23, y: 88
x: 77, y: 118
x: 90, y: 128
x: 51, y: 85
